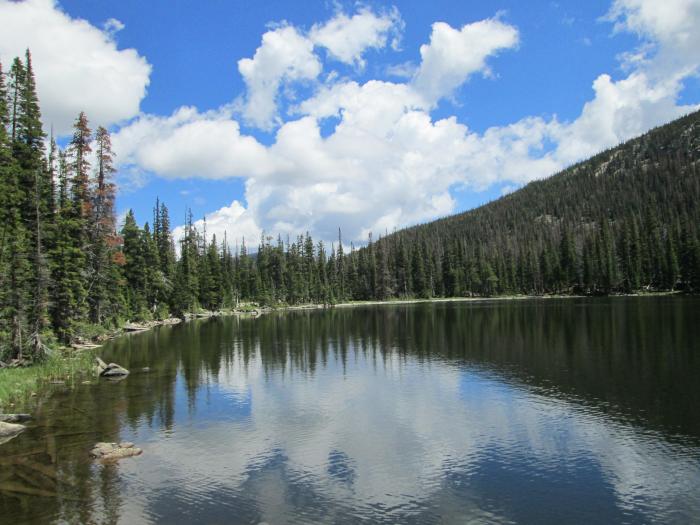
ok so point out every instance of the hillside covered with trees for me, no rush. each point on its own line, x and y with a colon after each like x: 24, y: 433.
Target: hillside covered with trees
x: 624, y: 221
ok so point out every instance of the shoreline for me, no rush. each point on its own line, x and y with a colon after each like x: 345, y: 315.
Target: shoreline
x: 256, y: 311
x: 70, y: 364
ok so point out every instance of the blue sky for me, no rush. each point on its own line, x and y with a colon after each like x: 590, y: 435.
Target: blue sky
x: 363, y: 128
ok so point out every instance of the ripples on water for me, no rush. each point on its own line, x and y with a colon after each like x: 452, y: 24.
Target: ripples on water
x: 529, y: 412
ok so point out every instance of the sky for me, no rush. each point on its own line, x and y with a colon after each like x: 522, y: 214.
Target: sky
x: 285, y: 117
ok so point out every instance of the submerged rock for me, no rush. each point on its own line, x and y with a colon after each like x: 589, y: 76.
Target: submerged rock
x: 114, y: 451
x: 9, y: 431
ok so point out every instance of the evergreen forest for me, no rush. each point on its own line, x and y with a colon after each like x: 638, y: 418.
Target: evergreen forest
x: 624, y: 221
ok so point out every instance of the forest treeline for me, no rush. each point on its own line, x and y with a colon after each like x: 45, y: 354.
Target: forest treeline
x: 624, y: 221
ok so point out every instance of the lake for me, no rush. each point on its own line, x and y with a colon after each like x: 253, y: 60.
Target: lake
x: 528, y: 411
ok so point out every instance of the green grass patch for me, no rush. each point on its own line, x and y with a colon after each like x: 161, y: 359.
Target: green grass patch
x: 91, y: 332
x: 17, y: 384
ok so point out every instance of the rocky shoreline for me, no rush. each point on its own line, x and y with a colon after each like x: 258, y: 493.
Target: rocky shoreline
x: 137, y: 327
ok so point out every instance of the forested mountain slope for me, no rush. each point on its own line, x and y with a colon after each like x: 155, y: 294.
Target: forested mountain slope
x: 624, y: 220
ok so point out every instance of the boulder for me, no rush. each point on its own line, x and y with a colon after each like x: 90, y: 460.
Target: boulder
x: 114, y: 370
x: 114, y: 451
x: 9, y: 431
x: 111, y: 370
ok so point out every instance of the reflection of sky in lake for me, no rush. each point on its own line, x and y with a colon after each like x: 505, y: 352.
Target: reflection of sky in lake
x: 214, y: 402
x: 392, y: 438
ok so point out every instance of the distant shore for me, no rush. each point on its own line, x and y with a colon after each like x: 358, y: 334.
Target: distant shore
x: 351, y: 304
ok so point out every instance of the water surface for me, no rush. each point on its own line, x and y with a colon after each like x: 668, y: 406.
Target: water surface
x: 535, y: 411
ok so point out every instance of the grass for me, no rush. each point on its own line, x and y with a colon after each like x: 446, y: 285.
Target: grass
x: 18, y: 384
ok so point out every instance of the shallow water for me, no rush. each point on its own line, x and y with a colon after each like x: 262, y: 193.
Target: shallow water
x: 537, y: 411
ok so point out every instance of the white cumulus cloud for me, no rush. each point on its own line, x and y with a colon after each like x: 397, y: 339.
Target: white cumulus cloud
x: 189, y: 144
x: 287, y: 55
x: 284, y: 55
x: 78, y: 66
x: 453, y: 55
x: 347, y: 37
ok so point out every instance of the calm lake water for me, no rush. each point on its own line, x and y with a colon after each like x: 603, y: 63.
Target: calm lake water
x: 534, y: 411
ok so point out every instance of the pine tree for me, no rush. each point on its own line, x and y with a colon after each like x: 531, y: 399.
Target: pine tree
x: 653, y: 254
x: 323, y: 293
x: 212, y: 297
x: 489, y: 280
x: 607, y: 258
x: 67, y: 262
x: 567, y: 260
x: 671, y: 268
x: 80, y: 168
x: 403, y: 270
x: 186, y: 287
x: 14, y: 97
x: 34, y: 196
x: 449, y: 280
x: 102, y: 232
x: 384, y: 288
x: 166, y: 249
x: 42, y: 214
x: 14, y: 265
x: 78, y: 223
x: 153, y: 278
x: 134, y: 267
x: 309, y: 264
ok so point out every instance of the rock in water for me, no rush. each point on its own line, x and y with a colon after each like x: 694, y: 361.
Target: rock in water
x: 112, y: 370
x: 114, y: 451
x: 9, y: 431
